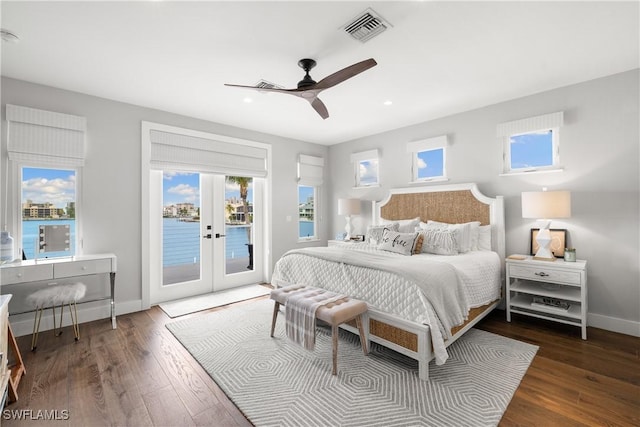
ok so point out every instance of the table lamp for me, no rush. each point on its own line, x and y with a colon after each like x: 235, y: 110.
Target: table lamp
x: 545, y: 206
x: 348, y: 207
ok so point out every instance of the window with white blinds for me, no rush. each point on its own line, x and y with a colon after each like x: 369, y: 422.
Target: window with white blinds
x: 45, y: 137
x: 310, y: 170
x: 366, y: 170
x: 428, y: 159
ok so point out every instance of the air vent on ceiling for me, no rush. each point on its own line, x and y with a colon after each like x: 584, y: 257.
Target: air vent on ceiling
x: 263, y: 84
x: 366, y: 25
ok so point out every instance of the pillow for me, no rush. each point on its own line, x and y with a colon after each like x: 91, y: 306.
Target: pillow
x: 404, y: 225
x: 466, y: 234
x: 374, y: 232
x: 417, y: 247
x: 484, y: 238
x: 401, y: 243
x: 439, y: 242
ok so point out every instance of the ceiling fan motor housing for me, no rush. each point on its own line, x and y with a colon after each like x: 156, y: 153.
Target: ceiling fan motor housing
x: 306, y: 64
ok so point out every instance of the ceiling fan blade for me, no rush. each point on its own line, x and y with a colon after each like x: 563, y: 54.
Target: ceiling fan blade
x: 265, y: 89
x: 345, y: 73
x: 320, y: 108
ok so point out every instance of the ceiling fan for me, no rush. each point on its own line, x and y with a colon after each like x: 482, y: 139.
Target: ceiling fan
x: 308, y: 88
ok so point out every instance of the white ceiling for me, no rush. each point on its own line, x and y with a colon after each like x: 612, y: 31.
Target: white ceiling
x: 439, y: 58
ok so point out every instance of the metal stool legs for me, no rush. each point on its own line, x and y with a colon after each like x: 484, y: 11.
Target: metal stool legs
x: 57, y: 329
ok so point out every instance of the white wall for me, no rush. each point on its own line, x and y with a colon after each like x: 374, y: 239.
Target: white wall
x: 112, y: 175
x: 600, y: 155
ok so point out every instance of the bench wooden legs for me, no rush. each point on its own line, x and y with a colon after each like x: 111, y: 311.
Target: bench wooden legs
x: 276, y: 308
x: 334, y: 335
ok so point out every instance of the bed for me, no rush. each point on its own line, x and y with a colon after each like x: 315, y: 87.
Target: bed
x: 419, y: 304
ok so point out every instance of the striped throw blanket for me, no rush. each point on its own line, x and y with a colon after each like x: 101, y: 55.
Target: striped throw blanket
x: 300, y: 311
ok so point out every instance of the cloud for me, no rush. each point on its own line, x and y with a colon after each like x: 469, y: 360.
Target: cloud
x: 185, y: 191
x: 421, y: 163
x: 168, y: 175
x: 58, y: 191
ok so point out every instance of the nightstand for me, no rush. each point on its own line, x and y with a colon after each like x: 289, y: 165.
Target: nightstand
x: 555, y: 291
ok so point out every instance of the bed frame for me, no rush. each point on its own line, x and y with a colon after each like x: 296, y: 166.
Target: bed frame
x: 457, y: 203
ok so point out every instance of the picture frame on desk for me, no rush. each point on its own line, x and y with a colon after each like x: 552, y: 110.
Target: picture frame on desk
x: 558, y: 240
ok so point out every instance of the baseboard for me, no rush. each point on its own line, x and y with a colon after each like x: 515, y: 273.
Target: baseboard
x: 22, y: 324
x: 614, y: 324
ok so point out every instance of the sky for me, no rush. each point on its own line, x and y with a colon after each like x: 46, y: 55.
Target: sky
x: 55, y: 186
x: 532, y: 149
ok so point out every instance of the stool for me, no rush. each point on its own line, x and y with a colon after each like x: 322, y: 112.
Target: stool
x: 52, y: 296
x: 335, y: 314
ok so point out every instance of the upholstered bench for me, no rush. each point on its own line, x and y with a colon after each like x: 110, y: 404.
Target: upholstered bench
x: 334, y: 313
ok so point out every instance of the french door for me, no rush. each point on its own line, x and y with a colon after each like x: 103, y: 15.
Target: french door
x: 208, y: 233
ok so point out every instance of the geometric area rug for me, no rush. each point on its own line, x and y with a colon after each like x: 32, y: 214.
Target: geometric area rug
x: 275, y: 382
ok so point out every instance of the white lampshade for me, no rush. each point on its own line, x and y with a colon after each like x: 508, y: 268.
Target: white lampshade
x: 348, y: 207
x: 546, y: 204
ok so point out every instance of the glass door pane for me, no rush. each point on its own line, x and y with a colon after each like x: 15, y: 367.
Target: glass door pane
x: 181, y: 239
x: 239, y: 249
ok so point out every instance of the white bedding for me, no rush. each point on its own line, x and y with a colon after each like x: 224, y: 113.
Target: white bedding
x: 477, y: 271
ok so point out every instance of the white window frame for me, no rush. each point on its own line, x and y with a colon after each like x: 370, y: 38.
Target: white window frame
x: 430, y: 144
x: 17, y: 178
x: 315, y: 213
x: 532, y: 125
x: 365, y: 156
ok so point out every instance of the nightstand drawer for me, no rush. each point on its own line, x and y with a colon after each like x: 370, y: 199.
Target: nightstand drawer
x: 26, y: 274
x: 545, y: 274
x: 82, y: 268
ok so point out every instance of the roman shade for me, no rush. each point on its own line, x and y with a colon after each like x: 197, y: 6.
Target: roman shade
x: 364, y: 155
x: 427, y: 144
x: 45, y: 137
x: 310, y: 170
x: 531, y: 124
x: 206, y: 153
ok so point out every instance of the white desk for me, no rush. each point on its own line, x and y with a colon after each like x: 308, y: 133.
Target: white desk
x: 62, y: 268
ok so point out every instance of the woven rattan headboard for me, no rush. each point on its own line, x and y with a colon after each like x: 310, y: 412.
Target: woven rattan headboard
x: 446, y: 203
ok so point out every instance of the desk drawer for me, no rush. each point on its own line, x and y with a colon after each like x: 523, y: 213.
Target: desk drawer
x: 31, y: 273
x: 545, y: 274
x: 81, y: 268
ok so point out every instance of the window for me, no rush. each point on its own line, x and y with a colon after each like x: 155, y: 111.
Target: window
x: 48, y: 197
x: 531, y: 144
x: 48, y: 150
x: 366, y: 170
x: 307, y: 228
x: 428, y: 159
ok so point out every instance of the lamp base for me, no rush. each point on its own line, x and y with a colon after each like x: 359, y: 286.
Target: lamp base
x: 544, y: 243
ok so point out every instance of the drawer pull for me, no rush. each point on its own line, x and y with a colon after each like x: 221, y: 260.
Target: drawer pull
x: 19, y: 274
x: 84, y: 268
x: 541, y: 274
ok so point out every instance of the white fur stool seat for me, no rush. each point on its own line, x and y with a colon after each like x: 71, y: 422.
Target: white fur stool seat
x: 52, y: 296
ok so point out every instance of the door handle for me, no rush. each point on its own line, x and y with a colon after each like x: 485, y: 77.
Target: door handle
x: 207, y: 236
x: 218, y: 235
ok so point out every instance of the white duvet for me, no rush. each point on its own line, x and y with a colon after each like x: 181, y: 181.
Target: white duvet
x: 398, y: 293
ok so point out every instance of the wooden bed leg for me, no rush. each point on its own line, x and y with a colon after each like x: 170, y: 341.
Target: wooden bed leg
x: 276, y: 308
x: 423, y: 370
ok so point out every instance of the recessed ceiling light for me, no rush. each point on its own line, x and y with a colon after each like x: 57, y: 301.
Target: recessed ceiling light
x: 8, y: 36
x: 248, y: 100
x: 388, y: 102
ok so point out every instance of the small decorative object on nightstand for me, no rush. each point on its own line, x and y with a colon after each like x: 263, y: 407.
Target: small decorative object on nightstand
x: 570, y: 254
x: 556, y: 292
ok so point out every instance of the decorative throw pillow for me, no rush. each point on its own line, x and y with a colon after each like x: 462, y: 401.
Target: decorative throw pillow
x: 417, y: 247
x: 466, y: 234
x: 439, y: 242
x: 484, y: 238
x: 401, y: 243
x: 404, y: 225
x: 374, y: 232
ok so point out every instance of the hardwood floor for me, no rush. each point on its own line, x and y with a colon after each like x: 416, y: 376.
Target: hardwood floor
x: 140, y: 375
